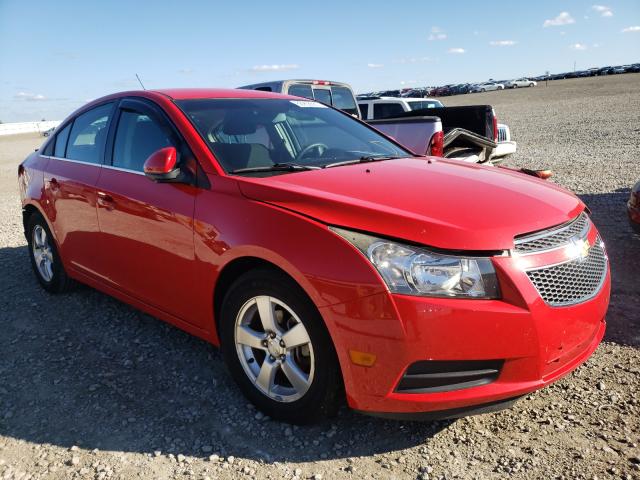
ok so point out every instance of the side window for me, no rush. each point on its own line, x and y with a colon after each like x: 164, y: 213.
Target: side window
x: 387, y: 110
x: 364, y: 110
x: 137, y: 137
x: 61, y: 142
x: 301, y: 91
x: 264, y: 89
x: 48, y: 150
x: 88, y: 135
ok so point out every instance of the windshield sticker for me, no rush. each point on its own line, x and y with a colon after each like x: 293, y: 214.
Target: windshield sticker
x: 308, y: 104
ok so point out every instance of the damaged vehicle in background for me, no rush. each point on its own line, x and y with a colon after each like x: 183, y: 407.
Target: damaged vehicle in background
x: 465, y: 129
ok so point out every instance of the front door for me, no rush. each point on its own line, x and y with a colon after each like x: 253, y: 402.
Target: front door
x: 146, y: 227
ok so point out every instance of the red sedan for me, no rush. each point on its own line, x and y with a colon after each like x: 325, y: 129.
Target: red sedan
x: 323, y: 258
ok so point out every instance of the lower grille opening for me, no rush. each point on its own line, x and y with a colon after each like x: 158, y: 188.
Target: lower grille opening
x: 432, y: 376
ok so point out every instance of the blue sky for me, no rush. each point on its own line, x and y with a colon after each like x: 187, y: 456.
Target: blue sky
x: 56, y: 55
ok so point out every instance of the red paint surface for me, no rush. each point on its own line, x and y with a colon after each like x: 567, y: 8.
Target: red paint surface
x: 161, y: 247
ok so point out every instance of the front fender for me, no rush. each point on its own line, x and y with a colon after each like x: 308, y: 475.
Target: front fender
x: 228, y: 227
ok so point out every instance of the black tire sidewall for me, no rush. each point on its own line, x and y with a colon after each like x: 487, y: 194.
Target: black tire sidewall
x: 59, y: 280
x: 321, y: 400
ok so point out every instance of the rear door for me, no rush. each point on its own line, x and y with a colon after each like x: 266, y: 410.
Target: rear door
x: 146, y: 227
x: 70, y: 180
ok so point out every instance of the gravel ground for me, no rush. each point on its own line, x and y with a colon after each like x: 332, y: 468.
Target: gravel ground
x: 91, y: 388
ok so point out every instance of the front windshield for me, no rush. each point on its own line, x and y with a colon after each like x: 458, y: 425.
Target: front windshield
x: 255, y: 133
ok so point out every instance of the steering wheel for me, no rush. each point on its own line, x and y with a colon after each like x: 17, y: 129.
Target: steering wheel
x: 320, y: 146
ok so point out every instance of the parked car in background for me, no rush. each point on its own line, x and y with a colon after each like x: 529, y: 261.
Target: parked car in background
x: 416, y: 93
x: 520, y: 82
x: 460, y: 89
x: 325, y: 259
x: 336, y: 94
x: 487, y: 87
x: 633, y: 208
x: 442, y: 91
x: 391, y: 93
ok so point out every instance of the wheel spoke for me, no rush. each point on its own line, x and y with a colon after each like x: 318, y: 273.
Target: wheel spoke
x: 297, y: 377
x: 296, y: 336
x: 267, y: 314
x: 49, y: 269
x: 37, y: 237
x: 267, y: 375
x: 249, y: 337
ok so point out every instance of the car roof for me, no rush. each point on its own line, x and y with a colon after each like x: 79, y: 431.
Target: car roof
x: 193, y: 93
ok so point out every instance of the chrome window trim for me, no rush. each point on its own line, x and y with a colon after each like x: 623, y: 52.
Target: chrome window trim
x: 110, y: 167
x: 52, y: 157
x: 120, y: 169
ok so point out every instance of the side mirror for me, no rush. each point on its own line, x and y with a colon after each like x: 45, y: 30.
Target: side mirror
x: 161, y: 166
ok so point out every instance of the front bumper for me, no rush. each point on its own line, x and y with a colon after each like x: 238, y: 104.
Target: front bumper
x: 536, y: 344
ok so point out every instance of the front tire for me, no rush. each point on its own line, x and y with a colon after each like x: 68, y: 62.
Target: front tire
x: 278, y: 350
x: 45, y: 259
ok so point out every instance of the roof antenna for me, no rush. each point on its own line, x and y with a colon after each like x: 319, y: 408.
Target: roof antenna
x: 140, y: 82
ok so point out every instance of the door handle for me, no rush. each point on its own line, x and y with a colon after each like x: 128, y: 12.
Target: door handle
x: 105, y: 200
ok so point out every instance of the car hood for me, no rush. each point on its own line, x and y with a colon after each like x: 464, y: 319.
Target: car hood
x: 441, y: 203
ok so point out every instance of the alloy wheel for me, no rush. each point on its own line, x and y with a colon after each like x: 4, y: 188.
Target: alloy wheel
x: 42, y: 253
x: 274, y: 348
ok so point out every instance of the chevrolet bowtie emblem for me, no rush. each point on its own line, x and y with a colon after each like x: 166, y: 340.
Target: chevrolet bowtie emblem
x: 580, y: 248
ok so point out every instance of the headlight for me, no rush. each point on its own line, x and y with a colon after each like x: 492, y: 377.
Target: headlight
x: 414, y: 270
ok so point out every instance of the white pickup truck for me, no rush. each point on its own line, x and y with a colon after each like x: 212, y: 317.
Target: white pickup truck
x: 379, y: 108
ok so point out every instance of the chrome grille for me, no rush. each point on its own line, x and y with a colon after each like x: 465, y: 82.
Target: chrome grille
x: 572, y: 282
x: 554, y: 237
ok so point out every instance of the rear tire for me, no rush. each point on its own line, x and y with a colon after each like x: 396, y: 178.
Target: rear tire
x: 296, y: 381
x: 44, y: 256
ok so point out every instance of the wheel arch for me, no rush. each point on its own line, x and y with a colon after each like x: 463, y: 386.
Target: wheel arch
x: 28, y: 209
x: 238, y: 266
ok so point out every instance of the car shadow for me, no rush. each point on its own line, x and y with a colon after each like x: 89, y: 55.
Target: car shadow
x: 85, y: 369
x: 623, y: 248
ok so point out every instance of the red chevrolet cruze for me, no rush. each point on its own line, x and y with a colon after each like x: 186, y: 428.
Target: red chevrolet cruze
x: 323, y: 257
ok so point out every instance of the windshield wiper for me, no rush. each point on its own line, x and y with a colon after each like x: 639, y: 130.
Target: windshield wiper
x: 364, y: 159
x: 276, y: 167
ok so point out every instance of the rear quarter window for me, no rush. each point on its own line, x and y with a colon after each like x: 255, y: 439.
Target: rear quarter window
x: 61, y: 142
